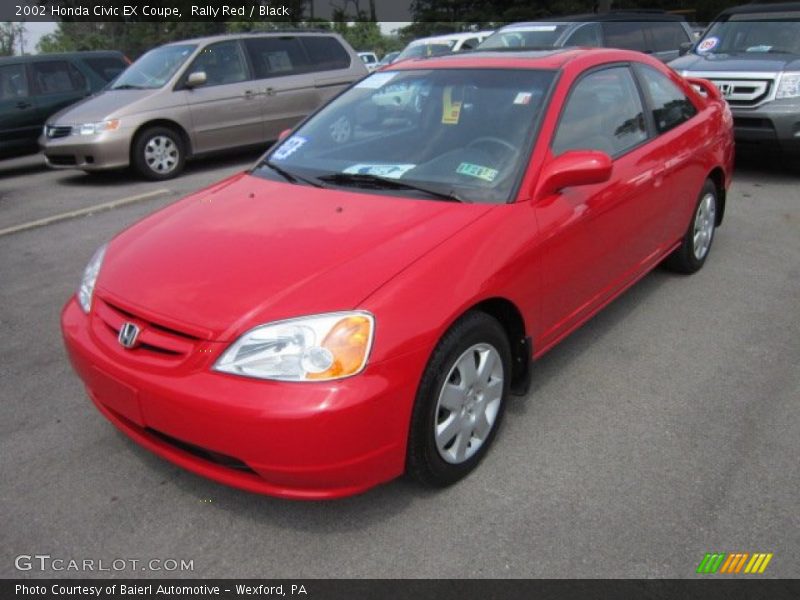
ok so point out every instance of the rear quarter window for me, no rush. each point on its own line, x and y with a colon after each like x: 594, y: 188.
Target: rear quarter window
x: 325, y: 53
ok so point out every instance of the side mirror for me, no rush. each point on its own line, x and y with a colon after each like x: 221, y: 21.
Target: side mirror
x: 574, y: 168
x: 684, y: 48
x: 196, y: 79
x: 284, y: 134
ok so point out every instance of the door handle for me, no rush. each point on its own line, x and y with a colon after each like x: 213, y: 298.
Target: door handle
x: 249, y: 93
x: 270, y: 91
x: 23, y: 104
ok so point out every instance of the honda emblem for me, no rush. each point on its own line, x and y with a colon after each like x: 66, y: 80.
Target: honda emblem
x: 128, y: 334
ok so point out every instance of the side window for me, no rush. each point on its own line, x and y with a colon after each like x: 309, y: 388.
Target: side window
x: 666, y: 35
x: 325, y: 53
x: 277, y: 56
x: 603, y: 112
x: 586, y: 35
x: 624, y: 34
x: 106, y: 67
x: 222, y: 63
x: 55, y: 77
x: 670, y: 106
x: 13, y: 82
x: 469, y: 44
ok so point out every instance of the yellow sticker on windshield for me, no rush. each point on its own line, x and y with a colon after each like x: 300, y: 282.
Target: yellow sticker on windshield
x: 478, y: 171
x: 451, y: 111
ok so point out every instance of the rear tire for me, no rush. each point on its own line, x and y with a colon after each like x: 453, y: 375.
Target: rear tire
x: 460, y: 401
x: 158, y: 153
x: 691, y: 255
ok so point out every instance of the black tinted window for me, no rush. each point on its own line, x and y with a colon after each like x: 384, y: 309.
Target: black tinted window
x: 13, y: 82
x: 666, y: 35
x: 603, y: 112
x: 57, y: 77
x: 585, y: 35
x: 107, y: 67
x: 325, y: 53
x: 274, y: 57
x: 222, y: 63
x: 670, y: 106
x: 627, y: 35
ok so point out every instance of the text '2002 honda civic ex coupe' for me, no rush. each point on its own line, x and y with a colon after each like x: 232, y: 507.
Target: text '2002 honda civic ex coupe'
x: 363, y: 301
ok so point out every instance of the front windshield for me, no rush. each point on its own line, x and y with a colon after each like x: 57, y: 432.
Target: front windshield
x: 427, y: 49
x: 543, y: 35
x: 463, y: 133
x: 155, y: 68
x: 752, y: 36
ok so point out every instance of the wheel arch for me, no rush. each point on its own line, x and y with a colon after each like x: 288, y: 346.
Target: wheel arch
x: 168, y: 123
x: 510, y: 317
x: 717, y: 175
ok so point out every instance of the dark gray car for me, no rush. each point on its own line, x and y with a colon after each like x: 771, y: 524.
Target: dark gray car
x: 752, y: 54
x: 651, y: 32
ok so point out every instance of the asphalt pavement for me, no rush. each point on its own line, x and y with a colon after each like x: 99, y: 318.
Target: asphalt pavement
x: 665, y: 428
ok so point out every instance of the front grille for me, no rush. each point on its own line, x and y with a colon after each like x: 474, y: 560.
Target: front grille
x: 744, y: 92
x: 55, y: 131
x: 223, y: 460
x: 62, y: 160
x: 154, y: 340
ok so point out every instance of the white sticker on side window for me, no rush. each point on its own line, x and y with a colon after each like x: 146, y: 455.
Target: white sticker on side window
x: 376, y: 80
x: 708, y: 44
x: 289, y: 147
x: 381, y: 170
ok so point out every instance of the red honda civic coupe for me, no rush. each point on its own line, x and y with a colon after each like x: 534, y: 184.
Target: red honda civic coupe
x: 362, y: 302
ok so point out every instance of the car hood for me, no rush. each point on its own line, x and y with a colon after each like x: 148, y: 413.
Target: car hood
x: 248, y: 251
x: 739, y: 62
x: 103, y: 105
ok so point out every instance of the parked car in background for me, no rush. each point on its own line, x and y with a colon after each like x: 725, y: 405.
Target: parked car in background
x: 752, y: 54
x: 193, y: 97
x: 370, y: 60
x: 34, y: 87
x: 652, y: 32
x: 443, y: 44
x: 388, y: 58
x: 352, y: 309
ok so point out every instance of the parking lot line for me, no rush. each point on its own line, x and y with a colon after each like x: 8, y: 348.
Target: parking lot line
x: 83, y: 211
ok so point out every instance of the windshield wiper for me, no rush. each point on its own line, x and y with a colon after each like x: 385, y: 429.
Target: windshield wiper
x: 375, y: 181
x: 129, y: 86
x: 291, y: 177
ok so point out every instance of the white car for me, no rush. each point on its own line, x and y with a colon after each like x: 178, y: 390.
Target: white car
x: 443, y: 44
x: 370, y: 60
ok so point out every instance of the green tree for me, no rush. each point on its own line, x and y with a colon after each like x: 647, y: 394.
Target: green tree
x: 10, y: 34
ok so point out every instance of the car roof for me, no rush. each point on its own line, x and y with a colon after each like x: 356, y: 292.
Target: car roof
x: 754, y: 7
x: 553, y: 59
x: 245, y: 35
x: 63, y: 55
x: 446, y: 37
x: 614, y: 15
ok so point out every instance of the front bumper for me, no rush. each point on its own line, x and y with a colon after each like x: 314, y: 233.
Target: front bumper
x: 293, y: 440
x: 775, y: 123
x: 108, y: 150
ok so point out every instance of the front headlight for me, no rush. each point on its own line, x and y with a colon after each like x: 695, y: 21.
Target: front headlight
x: 789, y: 86
x: 315, y: 348
x: 86, y: 289
x: 94, y: 128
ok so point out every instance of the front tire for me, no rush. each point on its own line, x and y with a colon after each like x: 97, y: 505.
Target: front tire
x: 158, y: 153
x: 691, y: 255
x: 460, y: 401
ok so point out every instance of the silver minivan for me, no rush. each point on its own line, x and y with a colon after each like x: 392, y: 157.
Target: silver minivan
x: 199, y: 96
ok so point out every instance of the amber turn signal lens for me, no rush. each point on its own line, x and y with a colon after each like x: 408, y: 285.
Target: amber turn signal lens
x: 348, y: 342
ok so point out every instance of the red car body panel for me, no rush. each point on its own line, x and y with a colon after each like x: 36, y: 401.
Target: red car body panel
x: 244, y: 252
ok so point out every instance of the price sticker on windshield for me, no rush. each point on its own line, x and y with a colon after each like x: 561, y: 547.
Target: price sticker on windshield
x: 708, y: 44
x: 451, y: 110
